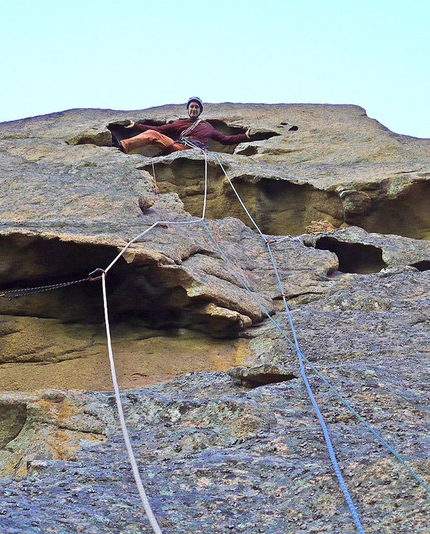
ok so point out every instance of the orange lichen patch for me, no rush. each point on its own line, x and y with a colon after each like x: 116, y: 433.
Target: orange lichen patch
x: 53, y: 426
x: 58, y: 411
x: 64, y: 444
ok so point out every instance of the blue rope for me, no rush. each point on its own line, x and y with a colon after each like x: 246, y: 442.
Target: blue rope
x: 308, y: 388
x: 366, y: 424
x: 302, y: 356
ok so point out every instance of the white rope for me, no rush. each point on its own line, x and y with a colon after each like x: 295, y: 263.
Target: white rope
x: 317, y: 410
x: 143, y: 497
x: 131, y: 456
x: 294, y: 343
x: 157, y: 223
x: 205, y: 196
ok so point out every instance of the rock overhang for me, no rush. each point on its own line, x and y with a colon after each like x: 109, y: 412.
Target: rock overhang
x: 76, y: 192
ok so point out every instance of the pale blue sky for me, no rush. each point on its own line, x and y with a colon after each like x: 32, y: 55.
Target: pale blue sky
x: 134, y: 54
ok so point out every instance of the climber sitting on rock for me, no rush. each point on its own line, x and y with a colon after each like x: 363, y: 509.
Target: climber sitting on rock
x: 181, y: 134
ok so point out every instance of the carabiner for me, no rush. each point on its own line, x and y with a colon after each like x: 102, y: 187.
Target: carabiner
x: 95, y: 275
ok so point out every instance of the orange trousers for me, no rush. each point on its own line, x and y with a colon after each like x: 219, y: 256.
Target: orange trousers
x: 151, y: 137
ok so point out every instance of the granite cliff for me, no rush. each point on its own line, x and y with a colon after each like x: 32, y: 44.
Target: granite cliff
x: 223, y: 428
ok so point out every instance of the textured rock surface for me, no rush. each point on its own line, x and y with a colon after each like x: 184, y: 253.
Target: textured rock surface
x: 232, y: 444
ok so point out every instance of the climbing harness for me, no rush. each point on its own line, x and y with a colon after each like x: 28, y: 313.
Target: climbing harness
x: 186, y: 132
x: 192, y: 143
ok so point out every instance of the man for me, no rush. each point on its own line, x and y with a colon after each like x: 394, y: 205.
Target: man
x: 181, y: 134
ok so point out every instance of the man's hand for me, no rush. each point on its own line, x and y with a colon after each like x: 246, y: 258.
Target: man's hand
x: 130, y: 125
x: 259, y: 134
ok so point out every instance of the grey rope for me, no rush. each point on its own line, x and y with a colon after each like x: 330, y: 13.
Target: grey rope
x: 100, y: 274
x: 12, y: 294
x: 17, y: 293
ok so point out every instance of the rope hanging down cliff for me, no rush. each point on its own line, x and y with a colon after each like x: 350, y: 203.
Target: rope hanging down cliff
x: 101, y: 274
x: 302, y: 358
x: 342, y: 483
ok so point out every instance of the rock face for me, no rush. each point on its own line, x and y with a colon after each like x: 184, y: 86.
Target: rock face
x: 215, y: 400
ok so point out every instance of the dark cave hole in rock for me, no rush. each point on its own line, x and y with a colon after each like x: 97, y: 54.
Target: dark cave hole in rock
x: 406, y: 214
x: 292, y: 127
x: 234, y: 130
x: 354, y: 257
x: 279, y: 207
x: 121, y: 132
x: 250, y: 150
x: 29, y: 262
x: 140, y: 295
x: 267, y: 379
x: 255, y: 380
x: 66, y: 326
x: 33, y: 262
x: 422, y: 265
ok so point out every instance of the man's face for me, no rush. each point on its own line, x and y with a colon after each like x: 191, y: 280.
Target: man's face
x: 193, y: 110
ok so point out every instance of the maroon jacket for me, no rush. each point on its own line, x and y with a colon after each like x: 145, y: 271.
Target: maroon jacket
x: 202, y: 132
